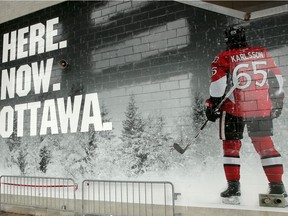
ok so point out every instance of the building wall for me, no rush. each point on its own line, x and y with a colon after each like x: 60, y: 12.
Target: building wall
x: 158, y: 51
x: 153, y: 50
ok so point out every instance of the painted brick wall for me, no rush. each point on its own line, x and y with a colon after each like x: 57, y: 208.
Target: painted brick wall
x: 153, y: 50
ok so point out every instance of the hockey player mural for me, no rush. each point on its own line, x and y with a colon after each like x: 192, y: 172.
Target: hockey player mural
x: 255, y: 102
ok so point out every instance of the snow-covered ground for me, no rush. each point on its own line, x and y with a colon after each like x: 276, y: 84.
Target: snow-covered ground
x: 198, y: 174
x: 200, y: 186
x: 203, y: 189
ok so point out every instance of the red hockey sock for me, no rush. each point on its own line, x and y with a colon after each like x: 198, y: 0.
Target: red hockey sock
x: 270, y: 158
x: 231, y: 159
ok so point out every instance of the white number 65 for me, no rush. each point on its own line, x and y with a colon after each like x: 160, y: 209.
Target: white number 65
x: 237, y: 76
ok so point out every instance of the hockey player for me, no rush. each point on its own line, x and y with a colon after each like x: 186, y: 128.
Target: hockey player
x: 257, y: 99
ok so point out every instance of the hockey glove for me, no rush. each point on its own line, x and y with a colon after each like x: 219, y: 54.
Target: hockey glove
x: 276, y: 96
x: 211, y: 113
x: 277, y: 106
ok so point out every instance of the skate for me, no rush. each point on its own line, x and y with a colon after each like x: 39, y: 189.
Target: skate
x: 232, y: 194
x: 277, y: 188
x: 276, y: 197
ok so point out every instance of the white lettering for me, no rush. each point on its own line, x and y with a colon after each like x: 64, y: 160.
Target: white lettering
x: 6, y: 119
x: 49, y: 118
x: 9, y: 47
x: 23, y: 80
x: 31, y: 40
x: 33, y: 117
x: 68, y: 114
x: 21, y: 42
x: 42, y: 75
x: 20, y: 108
x: 37, y: 33
x: 91, y: 113
x: 50, y: 33
x: 8, y: 83
x: 247, y: 56
x: 71, y: 114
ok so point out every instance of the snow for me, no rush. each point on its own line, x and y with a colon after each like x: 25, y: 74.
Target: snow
x: 197, y: 174
x: 201, y: 185
x: 203, y: 189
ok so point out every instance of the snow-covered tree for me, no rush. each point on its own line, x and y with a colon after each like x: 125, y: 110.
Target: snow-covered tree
x: 146, y: 145
x: 45, y: 157
x: 97, y: 137
x: 133, y: 125
x: 21, y: 161
x: 84, y: 155
x: 157, y: 144
x: 14, y: 141
x: 132, y: 137
x: 198, y: 111
x: 17, y: 154
x: 31, y: 147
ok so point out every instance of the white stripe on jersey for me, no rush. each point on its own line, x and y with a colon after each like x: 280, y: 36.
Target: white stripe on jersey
x: 222, y: 124
x: 280, y: 81
x: 217, y: 88
x: 231, y: 160
x: 271, y: 161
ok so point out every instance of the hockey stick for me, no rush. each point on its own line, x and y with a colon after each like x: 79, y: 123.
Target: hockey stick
x: 181, y: 150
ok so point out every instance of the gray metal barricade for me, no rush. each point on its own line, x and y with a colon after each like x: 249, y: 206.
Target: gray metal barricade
x: 39, y: 192
x: 128, y: 198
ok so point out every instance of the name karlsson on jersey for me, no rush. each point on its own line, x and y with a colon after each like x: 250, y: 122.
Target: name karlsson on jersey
x: 247, y: 56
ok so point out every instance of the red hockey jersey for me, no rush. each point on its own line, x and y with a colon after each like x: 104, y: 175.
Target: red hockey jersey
x: 250, y: 69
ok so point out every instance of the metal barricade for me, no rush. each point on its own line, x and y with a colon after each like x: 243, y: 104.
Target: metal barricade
x: 39, y: 192
x: 128, y: 198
